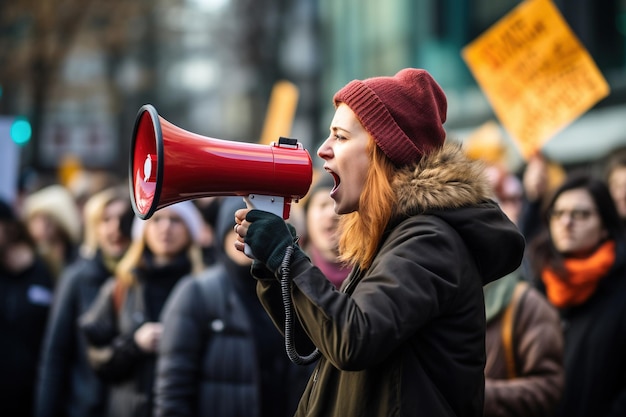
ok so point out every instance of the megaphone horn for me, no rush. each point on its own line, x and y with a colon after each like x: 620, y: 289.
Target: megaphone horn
x: 169, y: 165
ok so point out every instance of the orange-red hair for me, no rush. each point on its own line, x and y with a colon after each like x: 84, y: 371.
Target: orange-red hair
x: 362, y: 230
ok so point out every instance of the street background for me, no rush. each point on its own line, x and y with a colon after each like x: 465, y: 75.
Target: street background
x: 78, y: 71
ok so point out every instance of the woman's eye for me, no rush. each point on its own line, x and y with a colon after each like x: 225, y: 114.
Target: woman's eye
x: 338, y: 137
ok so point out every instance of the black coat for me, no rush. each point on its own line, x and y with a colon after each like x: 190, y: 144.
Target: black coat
x: 595, y: 349
x: 67, y: 386
x: 217, y: 345
x: 24, y: 305
x: 128, y: 371
x: 406, y: 337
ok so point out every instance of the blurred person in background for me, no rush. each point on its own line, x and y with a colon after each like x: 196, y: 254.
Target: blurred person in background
x: 508, y: 191
x: 83, y: 183
x: 55, y: 224
x: 616, y: 179
x: 122, y: 326
x: 220, y: 354
x: 580, y: 263
x: 67, y: 386
x: 540, y: 178
x: 26, y: 287
x: 524, y: 340
x: 208, y: 207
x: 406, y: 333
x: 321, y: 237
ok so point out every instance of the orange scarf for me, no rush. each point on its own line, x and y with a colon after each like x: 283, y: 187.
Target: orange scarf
x: 583, y: 276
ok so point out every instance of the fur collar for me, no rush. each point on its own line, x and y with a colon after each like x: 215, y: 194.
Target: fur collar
x: 444, y: 179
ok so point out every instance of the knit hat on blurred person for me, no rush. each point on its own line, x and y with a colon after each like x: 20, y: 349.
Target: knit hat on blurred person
x: 404, y: 113
x: 57, y: 202
x: 187, y: 211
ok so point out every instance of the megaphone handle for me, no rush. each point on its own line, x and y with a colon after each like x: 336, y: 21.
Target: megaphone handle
x: 247, y: 251
x: 275, y: 205
x: 272, y: 204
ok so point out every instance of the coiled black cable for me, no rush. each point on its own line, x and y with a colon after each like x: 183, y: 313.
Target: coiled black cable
x: 286, y: 294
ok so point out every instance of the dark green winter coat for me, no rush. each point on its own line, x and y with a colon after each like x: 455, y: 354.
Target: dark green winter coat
x: 407, y: 336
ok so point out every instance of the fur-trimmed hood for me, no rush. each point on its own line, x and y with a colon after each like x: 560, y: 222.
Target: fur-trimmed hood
x: 444, y: 179
x: 448, y: 185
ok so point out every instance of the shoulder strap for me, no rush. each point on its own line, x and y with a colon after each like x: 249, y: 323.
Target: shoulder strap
x: 507, y: 328
x: 119, y: 295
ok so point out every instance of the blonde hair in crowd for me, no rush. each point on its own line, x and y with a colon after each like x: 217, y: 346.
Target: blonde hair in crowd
x: 125, y: 271
x: 362, y: 230
x: 93, y: 212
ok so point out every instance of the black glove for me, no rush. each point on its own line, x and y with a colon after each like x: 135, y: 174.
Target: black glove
x: 268, y: 237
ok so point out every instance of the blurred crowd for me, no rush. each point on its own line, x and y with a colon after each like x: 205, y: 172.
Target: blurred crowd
x: 104, y: 314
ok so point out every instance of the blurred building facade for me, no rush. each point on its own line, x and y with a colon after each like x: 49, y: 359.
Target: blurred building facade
x: 365, y: 37
x: 208, y: 66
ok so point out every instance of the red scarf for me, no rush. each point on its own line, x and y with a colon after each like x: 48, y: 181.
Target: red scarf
x: 582, y: 279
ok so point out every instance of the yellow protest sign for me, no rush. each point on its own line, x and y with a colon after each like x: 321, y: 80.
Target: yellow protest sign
x: 280, y: 112
x: 535, y: 73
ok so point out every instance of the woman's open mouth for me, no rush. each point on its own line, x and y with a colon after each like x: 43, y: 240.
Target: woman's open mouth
x: 336, y: 179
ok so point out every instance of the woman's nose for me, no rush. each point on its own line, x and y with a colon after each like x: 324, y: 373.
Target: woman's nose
x: 324, y: 151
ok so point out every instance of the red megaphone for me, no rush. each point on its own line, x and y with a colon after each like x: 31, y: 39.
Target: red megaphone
x: 169, y: 165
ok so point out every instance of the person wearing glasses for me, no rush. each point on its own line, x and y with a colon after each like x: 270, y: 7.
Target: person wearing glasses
x: 580, y: 264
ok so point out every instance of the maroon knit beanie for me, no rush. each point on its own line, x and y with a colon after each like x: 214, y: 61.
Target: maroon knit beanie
x: 404, y: 113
